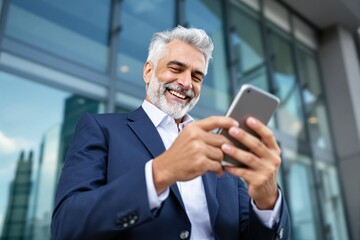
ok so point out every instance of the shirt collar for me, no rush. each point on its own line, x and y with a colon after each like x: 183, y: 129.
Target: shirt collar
x: 157, y: 116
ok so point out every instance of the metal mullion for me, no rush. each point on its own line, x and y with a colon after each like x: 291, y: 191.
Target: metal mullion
x: 180, y: 16
x: 3, y: 19
x: 267, y: 52
x: 270, y: 79
x: 230, y: 56
x: 334, y: 150
x: 45, y: 82
x: 113, y: 50
x: 300, y: 83
x: 268, y: 58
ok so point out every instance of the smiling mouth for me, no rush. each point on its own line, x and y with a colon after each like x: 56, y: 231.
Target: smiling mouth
x: 177, y: 94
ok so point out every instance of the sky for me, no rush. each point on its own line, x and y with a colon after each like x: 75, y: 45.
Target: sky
x: 28, y: 111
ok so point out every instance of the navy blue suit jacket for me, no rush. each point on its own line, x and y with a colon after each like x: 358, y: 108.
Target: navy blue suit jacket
x: 102, y: 190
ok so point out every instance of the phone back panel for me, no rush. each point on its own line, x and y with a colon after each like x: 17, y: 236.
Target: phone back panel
x: 250, y: 101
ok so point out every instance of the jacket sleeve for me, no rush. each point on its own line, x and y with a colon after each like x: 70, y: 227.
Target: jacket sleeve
x: 87, y: 206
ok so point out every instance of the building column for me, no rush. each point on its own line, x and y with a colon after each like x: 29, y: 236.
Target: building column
x: 341, y: 74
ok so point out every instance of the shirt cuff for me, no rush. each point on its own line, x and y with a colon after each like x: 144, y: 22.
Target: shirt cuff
x: 155, y: 200
x: 269, y: 217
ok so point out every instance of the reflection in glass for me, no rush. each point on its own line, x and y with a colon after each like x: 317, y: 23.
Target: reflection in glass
x: 75, y: 107
x: 331, y: 202
x: 215, y: 88
x: 35, y: 119
x: 45, y: 180
x: 18, y: 200
x: 139, y: 21
x: 290, y: 115
x: 70, y: 29
x: 247, y: 47
x: 301, y: 196
x: 277, y: 14
x: 314, y: 100
x: 120, y: 109
x: 246, y: 40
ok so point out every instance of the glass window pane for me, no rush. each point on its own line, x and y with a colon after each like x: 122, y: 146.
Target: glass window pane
x: 253, y: 4
x: 70, y: 29
x: 301, y: 196
x: 120, y: 109
x: 331, y: 202
x: 277, y: 14
x: 36, y: 123
x: 246, y: 41
x: 314, y: 100
x: 248, y: 48
x: 22, y: 198
x: 139, y: 21
x: 215, y: 88
x: 304, y: 33
x: 15, y: 231
x: 289, y: 114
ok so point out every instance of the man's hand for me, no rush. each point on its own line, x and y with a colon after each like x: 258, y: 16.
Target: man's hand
x: 263, y: 162
x: 195, y: 151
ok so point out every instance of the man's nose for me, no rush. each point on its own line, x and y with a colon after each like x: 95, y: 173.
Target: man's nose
x: 185, y: 80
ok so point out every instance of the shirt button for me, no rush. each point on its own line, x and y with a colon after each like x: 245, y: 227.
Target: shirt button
x: 184, y: 234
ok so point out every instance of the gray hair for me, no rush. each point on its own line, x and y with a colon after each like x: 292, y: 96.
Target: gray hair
x: 195, y: 37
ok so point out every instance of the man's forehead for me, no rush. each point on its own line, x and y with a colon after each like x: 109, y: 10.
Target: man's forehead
x: 179, y: 45
x: 184, y: 53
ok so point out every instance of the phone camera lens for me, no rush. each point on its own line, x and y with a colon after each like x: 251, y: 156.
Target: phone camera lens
x: 248, y: 91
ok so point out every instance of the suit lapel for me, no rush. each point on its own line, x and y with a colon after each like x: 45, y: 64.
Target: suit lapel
x: 174, y: 188
x: 142, y: 126
x: 210, y: 184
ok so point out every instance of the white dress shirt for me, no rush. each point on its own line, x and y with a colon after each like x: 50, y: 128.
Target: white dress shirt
x: 192, y: 192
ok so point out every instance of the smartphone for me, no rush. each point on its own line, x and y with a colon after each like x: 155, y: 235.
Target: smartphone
x: 249, y: 101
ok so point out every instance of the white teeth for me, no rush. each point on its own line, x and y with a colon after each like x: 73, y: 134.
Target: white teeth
x: 177, y: 94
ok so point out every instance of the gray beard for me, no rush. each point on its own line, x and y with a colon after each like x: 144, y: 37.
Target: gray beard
x: 156, y: 94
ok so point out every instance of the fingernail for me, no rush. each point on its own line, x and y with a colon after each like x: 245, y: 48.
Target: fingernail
x: 252, y: 121
x: 236, y: 123
x: 234, y: 131
x: 226, y: 147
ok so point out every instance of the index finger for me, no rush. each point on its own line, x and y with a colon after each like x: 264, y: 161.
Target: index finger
x: 263, y: 131
x: 211, y: 123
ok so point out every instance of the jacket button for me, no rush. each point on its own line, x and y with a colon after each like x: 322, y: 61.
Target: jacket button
x: 184, y: 234
x: 281, y: 233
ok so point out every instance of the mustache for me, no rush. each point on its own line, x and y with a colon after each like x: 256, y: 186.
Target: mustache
x: 173, y: 86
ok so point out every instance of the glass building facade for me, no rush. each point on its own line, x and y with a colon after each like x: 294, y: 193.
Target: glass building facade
x: 60, y: 59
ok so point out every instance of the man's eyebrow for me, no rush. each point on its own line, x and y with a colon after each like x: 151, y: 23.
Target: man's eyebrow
x: 183, y: 65
x: 180, y: 64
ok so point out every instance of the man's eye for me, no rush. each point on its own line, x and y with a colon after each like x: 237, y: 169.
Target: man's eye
x: 196, y: 78
x: 176, y: 70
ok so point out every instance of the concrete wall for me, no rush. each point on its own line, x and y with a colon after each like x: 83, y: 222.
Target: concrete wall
x: 340, y: 68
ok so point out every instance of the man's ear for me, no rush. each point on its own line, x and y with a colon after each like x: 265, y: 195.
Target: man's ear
x: 147, y: 72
